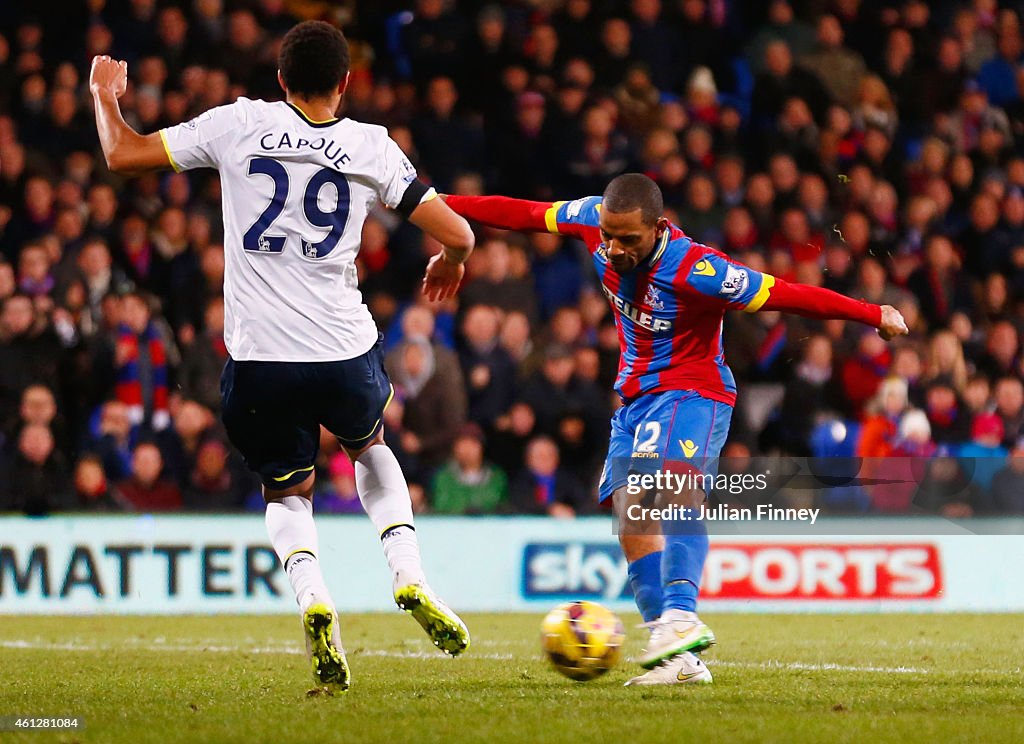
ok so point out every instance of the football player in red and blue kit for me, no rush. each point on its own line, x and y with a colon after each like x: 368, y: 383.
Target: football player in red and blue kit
x: 669, y: 296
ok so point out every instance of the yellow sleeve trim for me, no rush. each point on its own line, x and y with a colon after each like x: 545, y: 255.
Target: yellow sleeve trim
x: 289, y: 475
x: 551, y: 217
x: 767, y: 282
x: 429, y: 196
x: 167, y: 149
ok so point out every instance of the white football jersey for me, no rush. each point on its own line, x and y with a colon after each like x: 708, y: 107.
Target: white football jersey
x: 295, y: 195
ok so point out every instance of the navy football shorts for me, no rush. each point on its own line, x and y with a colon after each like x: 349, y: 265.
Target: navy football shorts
x: 273, y: 410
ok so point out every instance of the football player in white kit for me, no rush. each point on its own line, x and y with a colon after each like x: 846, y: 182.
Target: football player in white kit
x: 297, y: 184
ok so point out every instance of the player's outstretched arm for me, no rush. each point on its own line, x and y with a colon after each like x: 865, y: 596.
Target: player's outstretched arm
x: 502, y: 212
x: 125, y: 150
x: 742, y: 288
x: 821, y: 303
x: 446, y: 269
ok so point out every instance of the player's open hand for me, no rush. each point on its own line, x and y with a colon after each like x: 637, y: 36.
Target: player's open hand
x: 108, y: 74
x: 893, y: 324
x: 442, y: 278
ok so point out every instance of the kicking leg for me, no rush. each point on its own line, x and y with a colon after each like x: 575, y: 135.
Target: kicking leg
x: 679, y: 630
x: 644, y: 555
x: 384, y: 494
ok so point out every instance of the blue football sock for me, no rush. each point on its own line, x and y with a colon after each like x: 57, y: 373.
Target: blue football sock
x: 645, y: 581
x: 681, y: 565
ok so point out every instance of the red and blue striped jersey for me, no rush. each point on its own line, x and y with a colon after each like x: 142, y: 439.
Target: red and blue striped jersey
x: 669, y: 309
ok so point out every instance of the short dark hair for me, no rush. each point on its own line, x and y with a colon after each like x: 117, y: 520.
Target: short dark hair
x: 313, y: 59
x: 634, y: 191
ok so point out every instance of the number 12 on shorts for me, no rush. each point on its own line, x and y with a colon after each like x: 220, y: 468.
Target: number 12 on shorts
x: 647, y: 436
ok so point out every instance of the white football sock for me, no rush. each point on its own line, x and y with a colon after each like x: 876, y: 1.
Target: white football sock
x: 293, y: 535
x: 385, y: 498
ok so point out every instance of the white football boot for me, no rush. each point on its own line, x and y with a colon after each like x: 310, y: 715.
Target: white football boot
x: 684, y: 669
x: 673, y: 633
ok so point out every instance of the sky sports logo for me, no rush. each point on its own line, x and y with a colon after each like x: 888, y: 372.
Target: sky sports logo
x: 748, y: 571
x: 575, y: 570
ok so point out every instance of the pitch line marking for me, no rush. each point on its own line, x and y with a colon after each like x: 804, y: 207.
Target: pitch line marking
x: 771, y: 665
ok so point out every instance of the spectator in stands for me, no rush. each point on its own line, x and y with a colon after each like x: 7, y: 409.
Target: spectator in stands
x: 146, y: 489
x: 879, y: 434
x: 602, y: 153
x: 617, y: 53
x: 946, y: 363
x: 431, y: 41
x: 779, y: 82
x: 523, y: 155
x: 39, y: 407
x: 29, y: 353
x: 838, y: 67
x: 34, y: 271
x: 862, y: 376
x: 900, y: 472
x: 977, y: 395
x: 515, y: 339
x: 447, y: 144
x: 998, y: 76
x: 1002, y: 346
x: 91, y: 487
x: 947, y: 489
x: 512, y: 432
x: 542, y: 487
x: 213, y: 484
x: 938, y: 284
x: 467, y: 484
x: 1008, y: 484
x: 950, y: 420
x: 655, y: 42
x: 557, y: 274
x: 640, y: 102
x: 553, y: 392
x: 340, y: 496
x: 782, y: 24
x: 811, y: 394
x: 496, y: 285
x: 204, y: 357
x: 1009, y: 400
x: 141, y: 365
x: 703, y: 215
x: 36, y: 480
x: 101, y: 277
x: 489, y: 370
x: 973, y: 114
x: 980, y: 239
x: 984, y: 455
x: 435, y: 404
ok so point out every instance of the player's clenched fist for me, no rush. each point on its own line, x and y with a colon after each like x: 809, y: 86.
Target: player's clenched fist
x: 108, y: 74
x: 893, y: 324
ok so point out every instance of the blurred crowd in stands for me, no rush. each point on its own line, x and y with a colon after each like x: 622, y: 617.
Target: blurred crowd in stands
x: 870, y: 147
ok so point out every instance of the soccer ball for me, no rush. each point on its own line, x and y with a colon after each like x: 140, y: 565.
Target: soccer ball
x: 582, y: 639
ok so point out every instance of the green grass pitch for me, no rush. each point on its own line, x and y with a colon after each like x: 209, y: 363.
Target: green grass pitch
x: 823, y: 678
